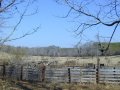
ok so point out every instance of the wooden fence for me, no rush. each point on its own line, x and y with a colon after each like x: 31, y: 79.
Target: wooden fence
x: 64, y: 74
x: 70, y: 75
x: 110, y: 75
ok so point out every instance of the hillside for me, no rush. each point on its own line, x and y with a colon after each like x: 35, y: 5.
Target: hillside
x: 114, y: 48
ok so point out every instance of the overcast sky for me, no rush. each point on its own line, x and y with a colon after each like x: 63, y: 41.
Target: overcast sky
x: 53, y: 29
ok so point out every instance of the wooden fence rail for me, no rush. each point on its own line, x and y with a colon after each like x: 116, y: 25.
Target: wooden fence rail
x: 64, y: 74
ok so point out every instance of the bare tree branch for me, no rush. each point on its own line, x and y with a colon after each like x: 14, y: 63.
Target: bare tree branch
x: 90, y: 15
x: 112, y: 36
x: 9, y: 5
x: 67, y: 13
x: 107, y: 14
x: 24, y: 35
x: 15, y: 27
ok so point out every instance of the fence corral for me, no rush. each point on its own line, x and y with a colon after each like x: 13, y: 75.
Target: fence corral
x: 40, y: 73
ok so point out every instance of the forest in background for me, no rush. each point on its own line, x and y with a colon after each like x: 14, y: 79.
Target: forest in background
x: 87, y: 49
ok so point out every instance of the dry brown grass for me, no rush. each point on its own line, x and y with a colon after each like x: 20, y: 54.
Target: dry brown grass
x: 108, y: 60
x: 70, y: 63
x: 5, y: 85
x: 73, y: 86
x: 88, y: 87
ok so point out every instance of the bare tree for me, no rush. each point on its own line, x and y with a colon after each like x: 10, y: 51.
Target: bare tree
x: 10, y: 9
x: 92, y: 13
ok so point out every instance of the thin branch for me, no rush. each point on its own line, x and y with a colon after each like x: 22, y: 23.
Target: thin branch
x: 84, y: 27
x: 6, y: 7
x: 90, y: 15
x: 67, y: 13
x: 99, y: 43
x: 15, y: 28
x: 112, y: 36
x: 116, y: 9
x: 24, y: 35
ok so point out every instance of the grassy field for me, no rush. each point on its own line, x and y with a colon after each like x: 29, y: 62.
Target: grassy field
x: 74, y: 61
x: 108, y: 60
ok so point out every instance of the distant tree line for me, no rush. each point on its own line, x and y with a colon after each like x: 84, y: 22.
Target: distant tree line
x: 88, y: 49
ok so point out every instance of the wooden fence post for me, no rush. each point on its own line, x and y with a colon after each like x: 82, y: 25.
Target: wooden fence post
x: 114, y: 72
x: 4, y: 71
x: 69, y: 75
x: 21, y: 73
x: 97, y: 71
x: 43, y: 72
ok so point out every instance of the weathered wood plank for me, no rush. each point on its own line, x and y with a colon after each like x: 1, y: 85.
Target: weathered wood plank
x: 109, y: 78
